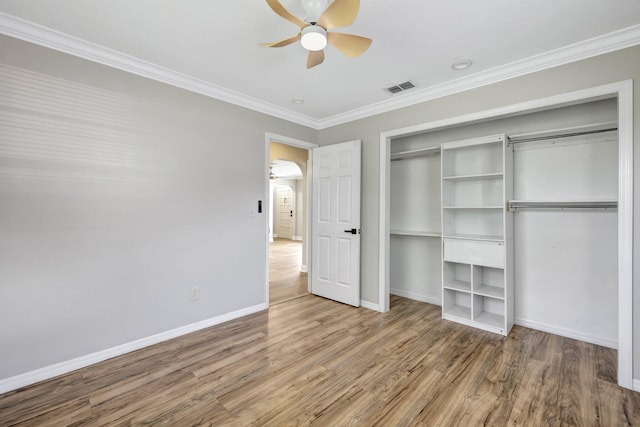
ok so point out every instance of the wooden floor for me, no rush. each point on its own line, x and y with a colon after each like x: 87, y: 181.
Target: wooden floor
x: 285, y: 279
x: 311, y: 361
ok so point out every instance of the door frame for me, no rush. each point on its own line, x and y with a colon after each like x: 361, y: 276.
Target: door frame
x: 270, y: 137
x: 623, y: 92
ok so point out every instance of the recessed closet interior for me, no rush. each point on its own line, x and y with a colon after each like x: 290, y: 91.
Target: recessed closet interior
x: 565, y: 187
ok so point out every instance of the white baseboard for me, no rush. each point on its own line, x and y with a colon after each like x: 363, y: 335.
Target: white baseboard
x: 48, y: 372
x: 414, y: 296
x: 299, y: 238
x: 636, y: 385
x: 369, y: 305
x: 569, y: 333
x: 303, y: 268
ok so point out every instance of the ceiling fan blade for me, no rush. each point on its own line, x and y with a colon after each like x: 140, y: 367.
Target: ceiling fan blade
x: 280, y: 10
x: 315, y: 58
x: 349, y: 44
x: 340, y: 13
x: 284, y: 42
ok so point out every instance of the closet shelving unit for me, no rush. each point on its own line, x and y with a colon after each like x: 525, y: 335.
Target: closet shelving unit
x: 477, y: 273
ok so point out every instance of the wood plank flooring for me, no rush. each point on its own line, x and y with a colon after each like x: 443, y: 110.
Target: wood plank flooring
x: 315, y: 362
x: 285, y: 279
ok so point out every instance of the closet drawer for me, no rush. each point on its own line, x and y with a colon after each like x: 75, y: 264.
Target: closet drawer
x: 490, y: 254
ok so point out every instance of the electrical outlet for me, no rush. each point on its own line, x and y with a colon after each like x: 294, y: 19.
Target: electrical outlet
x: 195, y: 293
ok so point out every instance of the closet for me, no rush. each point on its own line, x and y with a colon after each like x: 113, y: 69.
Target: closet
x: 551, y: 204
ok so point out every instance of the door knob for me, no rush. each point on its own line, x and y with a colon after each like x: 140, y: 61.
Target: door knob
x: 352, y: 231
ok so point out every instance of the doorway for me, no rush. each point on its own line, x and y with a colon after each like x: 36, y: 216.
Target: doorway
x: 287, y: 201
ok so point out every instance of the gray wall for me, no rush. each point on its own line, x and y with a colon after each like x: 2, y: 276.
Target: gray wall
x: 612, y: 67
x: 117, y: 195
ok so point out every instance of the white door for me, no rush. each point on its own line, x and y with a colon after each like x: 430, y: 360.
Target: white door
x: 335, y: 236
x: 285, y: 212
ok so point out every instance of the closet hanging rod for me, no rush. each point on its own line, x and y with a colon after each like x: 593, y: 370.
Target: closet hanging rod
x: 522, y: 204
x: 516, y: 140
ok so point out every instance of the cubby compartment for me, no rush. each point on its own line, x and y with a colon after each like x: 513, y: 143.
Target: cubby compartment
x: 456, y: 304
x: 489, y: 311
x: 488, y: 281
x: 457, y: 276
x: 471, y: 159
x: 473, y: 223
x: 482, y: 192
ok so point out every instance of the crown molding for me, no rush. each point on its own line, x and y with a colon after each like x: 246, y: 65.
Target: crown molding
x: 610, y: 42
x: 47, y: 37
x: 34, y: 33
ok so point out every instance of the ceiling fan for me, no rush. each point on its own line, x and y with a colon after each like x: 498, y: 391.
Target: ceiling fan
x: 314, y: 34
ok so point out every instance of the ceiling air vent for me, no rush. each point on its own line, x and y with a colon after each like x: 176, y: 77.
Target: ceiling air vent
x: 406, y: 85
x: 400, y: 87
x: 394, y: 89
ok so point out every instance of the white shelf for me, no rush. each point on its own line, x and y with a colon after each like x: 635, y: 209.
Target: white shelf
x: 410, y: 154
x: 472, y: 207
x: 416, y: 233
x: 459, y: 311
x: 477, y: 177
x: 490, y: 319
x: 458, y: 285
x: 488, y: 238
x: 490, y: 291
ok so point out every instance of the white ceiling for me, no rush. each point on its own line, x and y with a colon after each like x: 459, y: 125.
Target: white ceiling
x: 212, y: 46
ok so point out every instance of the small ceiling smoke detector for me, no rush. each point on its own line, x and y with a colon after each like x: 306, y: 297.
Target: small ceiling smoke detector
x: 298, y: 101
x: 400, y: 87
x: 462, y: 64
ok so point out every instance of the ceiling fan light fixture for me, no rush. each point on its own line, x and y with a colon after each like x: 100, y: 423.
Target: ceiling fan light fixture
x: 313, y: 38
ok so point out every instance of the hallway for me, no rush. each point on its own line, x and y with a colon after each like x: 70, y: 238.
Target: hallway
x: 286, y: 282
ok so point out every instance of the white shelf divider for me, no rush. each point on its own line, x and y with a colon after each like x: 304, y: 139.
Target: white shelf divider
x: 417, y: 233
x: 473, y: 177
x: 487, y: 237
x: 490, y: 291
